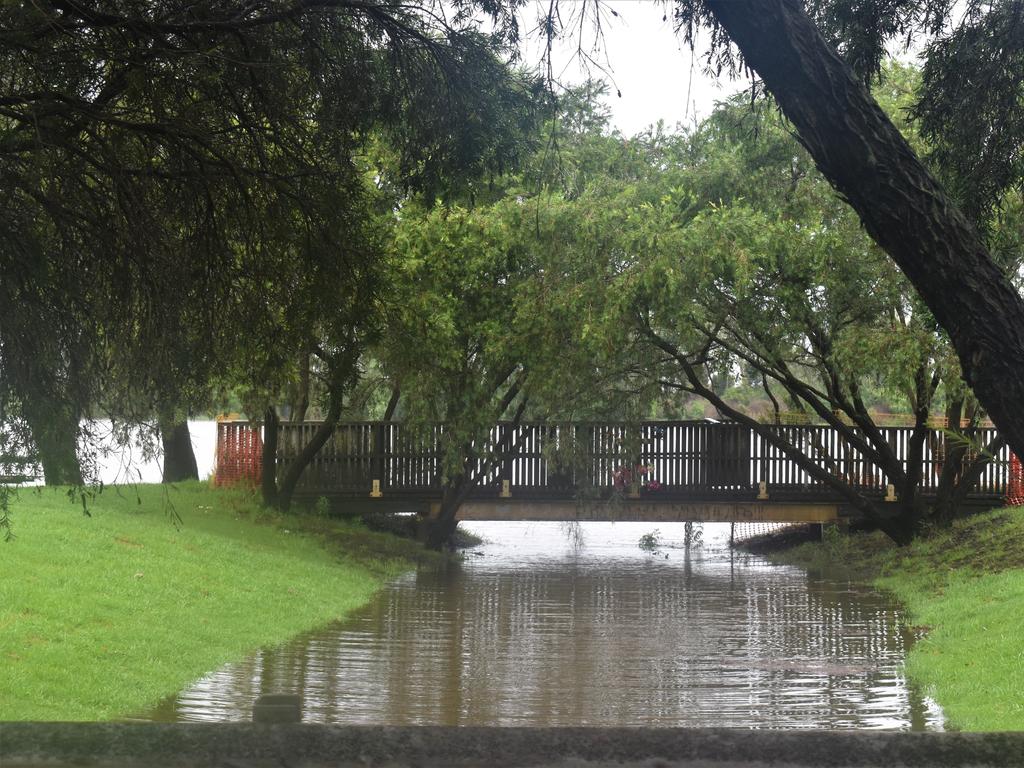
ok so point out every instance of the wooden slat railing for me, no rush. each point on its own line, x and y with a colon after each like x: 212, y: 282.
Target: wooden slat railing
x: 686, y: 459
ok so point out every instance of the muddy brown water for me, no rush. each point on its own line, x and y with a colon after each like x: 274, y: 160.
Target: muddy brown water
x: 533, y: 629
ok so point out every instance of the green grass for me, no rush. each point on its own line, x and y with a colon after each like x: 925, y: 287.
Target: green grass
x: 102, y: 616
x: 964, y: 589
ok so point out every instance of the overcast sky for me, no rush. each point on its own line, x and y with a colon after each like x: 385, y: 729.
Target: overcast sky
x: 645, y: 61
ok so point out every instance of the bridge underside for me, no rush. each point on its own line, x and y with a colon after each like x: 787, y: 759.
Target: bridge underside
x: 649, y: 511
x: 728, y: 510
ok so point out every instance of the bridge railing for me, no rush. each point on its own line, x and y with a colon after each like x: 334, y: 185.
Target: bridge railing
x: 666, y: 459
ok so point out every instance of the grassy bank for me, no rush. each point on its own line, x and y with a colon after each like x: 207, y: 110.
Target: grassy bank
x: 102, y: 616
x: 964, y: 590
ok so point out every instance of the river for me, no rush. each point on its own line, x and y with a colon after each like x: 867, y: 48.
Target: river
x: 535, y: 628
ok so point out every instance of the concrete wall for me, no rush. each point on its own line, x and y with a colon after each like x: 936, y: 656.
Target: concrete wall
x: 34, y: 745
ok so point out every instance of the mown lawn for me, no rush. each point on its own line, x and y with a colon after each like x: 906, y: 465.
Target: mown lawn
x: 964, y: 590
x: 102, y: 616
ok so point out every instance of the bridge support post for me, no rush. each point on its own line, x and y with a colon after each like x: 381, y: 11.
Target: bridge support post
x: 505, y: 473
x: 377, y: 459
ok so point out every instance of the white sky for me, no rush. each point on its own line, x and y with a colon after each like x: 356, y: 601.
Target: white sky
x: 653, y: 69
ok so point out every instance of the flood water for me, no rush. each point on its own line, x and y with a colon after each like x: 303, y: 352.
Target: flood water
x: 532, y: 629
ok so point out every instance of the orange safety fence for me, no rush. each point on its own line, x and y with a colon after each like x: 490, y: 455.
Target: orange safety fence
x: 239, y: 454
x: 1015, y: 487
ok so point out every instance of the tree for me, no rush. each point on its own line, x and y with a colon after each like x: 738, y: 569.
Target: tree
x: 871, y: 165
x: 451, y: 340
x: 816, y: 316
x: 482, y: 319
x: 171, y: 166
x: 971, y: 108
x: 868, y: 162
x: 731, y: 253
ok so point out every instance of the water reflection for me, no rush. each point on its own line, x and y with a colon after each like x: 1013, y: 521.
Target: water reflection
x: 531, y: 631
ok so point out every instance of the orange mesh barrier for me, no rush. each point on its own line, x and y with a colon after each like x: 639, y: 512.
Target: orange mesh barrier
x: 1015, y: 489
x: 239, y: 454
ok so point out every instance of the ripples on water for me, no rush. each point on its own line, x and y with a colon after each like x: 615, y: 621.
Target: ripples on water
x: 532, y: 631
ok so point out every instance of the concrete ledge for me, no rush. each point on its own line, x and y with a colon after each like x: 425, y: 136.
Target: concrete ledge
x: 33, y: 745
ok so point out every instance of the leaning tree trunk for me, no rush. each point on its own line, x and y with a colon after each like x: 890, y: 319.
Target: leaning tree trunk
x: 289, y: 479
x: 179, y: 458
x: 888, y: 518
x: 439, y: 530
x: 300, y: 400
x: 903, y: 208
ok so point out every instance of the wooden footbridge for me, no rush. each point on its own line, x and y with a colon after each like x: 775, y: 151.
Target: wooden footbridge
x: 652, y: 471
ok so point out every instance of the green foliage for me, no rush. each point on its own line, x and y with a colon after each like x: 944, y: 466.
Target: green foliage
x: 775, y: 283
x: 188, y: 204
x: 451, y: 340
x: 725, y: 240
x: 322, y: 507
x: 734, y: 229
x: 971, y: 106
x: 651, y: 541
x: 90, y: 608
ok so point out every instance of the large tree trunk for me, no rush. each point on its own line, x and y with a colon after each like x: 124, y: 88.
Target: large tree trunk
x: 902, y: 207
x: 55, y: 432
x: 268, y: 461
x: 179, y: 458
x: 300, y: 399
x: 439, y: 530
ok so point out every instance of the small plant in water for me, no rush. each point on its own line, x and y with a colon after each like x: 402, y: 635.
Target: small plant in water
x: 650, y: 542
x: 693, y: 535
x: 574, y: 533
